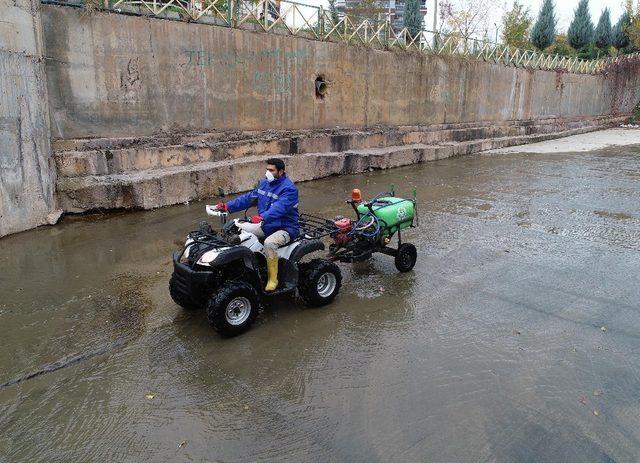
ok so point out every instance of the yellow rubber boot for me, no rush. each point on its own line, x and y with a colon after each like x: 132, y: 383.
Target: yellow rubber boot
x: 272, y: 271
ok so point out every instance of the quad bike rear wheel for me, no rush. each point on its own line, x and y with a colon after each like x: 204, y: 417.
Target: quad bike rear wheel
x: 406, y: 257
x: 233, y: 309
x: 319, y: 282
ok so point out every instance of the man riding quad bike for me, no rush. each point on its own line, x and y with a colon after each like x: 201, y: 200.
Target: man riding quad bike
x: 232, y: 272
x: 277, y: 201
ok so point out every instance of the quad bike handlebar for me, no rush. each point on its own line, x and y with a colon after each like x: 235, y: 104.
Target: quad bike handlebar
x: 213, y: 211
x: 246, y: 225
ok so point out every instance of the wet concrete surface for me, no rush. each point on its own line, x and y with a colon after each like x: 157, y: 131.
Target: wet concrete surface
x: 514, y: 339
x: 601, y: 139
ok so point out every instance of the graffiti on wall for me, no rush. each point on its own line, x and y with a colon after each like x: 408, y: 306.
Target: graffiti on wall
x: 276, y: 78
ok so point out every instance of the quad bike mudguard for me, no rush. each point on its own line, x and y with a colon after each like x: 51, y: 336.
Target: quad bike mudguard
x: 304, y: 248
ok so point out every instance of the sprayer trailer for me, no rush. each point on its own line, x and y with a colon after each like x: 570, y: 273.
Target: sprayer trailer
x: 376, y: 223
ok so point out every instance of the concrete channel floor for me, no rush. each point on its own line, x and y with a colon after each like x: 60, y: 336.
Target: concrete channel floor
x: 516, y: 337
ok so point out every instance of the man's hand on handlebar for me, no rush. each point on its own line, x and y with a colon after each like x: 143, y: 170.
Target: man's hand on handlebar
x: 215, y: 211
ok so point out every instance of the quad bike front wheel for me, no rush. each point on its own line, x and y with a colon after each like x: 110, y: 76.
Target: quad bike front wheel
x: 233, y: 309
x: 406, y: 257
x: 319, y: 282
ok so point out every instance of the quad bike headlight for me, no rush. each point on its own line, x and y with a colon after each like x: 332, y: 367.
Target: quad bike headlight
x: 208, y: 257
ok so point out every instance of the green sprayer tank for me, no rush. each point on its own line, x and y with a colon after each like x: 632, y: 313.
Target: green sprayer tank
x: 393, y: 213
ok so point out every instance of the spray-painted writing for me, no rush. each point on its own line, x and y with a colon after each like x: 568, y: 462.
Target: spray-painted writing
x: 275, y: 80
x: 233, y: 58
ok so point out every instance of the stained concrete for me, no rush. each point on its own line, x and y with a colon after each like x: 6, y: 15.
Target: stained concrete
x: 128, y: 91
x: 173, y: 178
x: 27, y: 170
x: 113, y: 75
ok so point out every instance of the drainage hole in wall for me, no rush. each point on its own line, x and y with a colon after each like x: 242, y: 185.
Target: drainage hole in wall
x: 321, y: 87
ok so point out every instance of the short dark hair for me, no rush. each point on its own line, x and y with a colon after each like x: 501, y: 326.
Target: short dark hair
x: 276, y: 162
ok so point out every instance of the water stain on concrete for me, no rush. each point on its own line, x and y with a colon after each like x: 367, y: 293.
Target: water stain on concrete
x: 613, y: 215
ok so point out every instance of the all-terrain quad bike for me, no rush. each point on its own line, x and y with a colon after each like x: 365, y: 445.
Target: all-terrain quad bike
x: 226, y: 271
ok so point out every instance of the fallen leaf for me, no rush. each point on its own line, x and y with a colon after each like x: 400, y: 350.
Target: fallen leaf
x: 597, y: 392
x: 516, y: 332
x: 583, y: 400
x: 246, y: 407
x: 150, y: 396
x: 603, y: 328
x: 182, y: 444
x: 595, y: 412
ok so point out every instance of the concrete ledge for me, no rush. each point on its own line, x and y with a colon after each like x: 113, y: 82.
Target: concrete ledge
x: 164, y: 186
x: 109, y: 157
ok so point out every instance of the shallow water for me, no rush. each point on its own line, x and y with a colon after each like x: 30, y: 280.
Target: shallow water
x: 514, y: 339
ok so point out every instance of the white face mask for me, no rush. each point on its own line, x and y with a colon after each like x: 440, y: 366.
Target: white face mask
x: 269, y: 176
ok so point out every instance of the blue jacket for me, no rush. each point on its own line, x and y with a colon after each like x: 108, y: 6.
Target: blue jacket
x: 277, y: 203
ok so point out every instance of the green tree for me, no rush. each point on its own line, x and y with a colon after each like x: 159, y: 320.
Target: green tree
x: 544, y: 30
x: 515, y: 26
x: 580, y: 33
x: 412, y: 17
x: 633, y: 28
x: 603, y: 31
x: 619, y: 38
x: 561, y: 47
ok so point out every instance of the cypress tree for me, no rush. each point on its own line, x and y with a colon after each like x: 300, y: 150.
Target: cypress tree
x: 544, y: 30
x: 603, y: 31
x: 333, y: 11
x: 412, y: 17
x: 580, y: 33
x: 619, y: 37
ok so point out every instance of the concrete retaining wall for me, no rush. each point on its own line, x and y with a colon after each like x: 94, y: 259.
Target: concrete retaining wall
x: 146, y: 112
x: 27, y: 171
x: 113, y: 75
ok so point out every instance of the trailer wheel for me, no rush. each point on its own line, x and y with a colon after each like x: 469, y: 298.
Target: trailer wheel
x: 233, y: 309
x: 406, y: 257
x: 319, y: 282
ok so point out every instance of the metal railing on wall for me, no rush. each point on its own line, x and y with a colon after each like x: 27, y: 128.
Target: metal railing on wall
x: 315, y: 22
